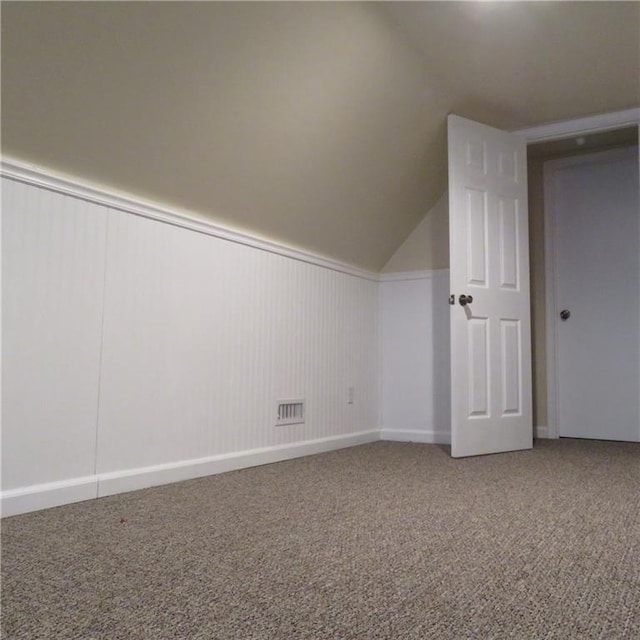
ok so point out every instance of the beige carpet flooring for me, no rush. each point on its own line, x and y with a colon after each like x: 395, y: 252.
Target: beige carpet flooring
x: 385, y: 540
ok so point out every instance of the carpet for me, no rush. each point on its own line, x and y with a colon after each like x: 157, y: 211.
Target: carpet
x: 381, y: 541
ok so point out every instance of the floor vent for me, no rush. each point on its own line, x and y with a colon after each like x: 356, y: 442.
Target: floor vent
x: 290, y: 412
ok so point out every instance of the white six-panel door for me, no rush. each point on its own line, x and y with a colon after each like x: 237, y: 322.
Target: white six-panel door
x: 491, y: 403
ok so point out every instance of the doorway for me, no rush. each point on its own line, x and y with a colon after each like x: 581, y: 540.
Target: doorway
x: 586, y: 367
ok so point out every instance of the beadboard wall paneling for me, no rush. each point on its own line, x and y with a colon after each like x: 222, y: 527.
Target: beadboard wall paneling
x: 53, y: 267
x: 414, y: 352
x: 137, y: 351
x: 203, y: 336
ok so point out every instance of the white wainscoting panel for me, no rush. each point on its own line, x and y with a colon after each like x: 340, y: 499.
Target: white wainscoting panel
x: 414, y: 352
x: 53, y: 261
x: 137, y: 352
x: 203, y: 336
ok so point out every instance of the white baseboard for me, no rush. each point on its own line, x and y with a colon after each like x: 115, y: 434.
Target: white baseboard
x: 43, y: 496
x: 415, y: 435
x: 133, y: 479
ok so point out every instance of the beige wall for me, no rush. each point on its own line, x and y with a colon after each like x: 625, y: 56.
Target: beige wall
x: 537, y: 273
x: 306, y: 123
x: 427, y: 246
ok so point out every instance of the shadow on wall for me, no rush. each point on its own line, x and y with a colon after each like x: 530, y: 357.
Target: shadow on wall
x: 439, y: 244
x: 441, y: 341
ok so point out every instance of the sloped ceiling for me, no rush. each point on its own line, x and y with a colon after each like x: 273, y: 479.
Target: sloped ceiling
x: 320, y: 125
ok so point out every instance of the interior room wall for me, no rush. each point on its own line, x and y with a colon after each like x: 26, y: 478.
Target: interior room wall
x: 415, y: 400
x: 53, y: 258
x: 137, y: 352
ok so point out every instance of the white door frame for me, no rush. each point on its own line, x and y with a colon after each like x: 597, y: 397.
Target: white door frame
x: 557, y: 131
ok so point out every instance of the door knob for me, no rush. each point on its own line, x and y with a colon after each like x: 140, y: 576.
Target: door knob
x: 465, y: 300
x: 565, y: 314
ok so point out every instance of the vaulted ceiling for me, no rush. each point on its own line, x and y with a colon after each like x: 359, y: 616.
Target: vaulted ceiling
x: 320, y: 125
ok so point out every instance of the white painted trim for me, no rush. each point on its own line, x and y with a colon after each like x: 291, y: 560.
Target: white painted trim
x: 133, y: 479
x: 541, y: 432
x: 44, y: 496
x: 415, y: 435
x: 412, y: 275
x: 581, y: 126
x: 53, y: 494
x: 46, y: 179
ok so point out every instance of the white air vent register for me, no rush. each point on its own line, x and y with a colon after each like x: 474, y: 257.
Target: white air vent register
x: 290, y: 412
